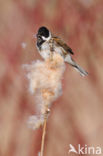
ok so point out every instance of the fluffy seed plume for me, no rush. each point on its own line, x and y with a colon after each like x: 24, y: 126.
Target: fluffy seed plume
x: 45, y: 82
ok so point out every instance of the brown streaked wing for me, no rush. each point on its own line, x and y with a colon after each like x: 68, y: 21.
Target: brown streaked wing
x: 63, y: 44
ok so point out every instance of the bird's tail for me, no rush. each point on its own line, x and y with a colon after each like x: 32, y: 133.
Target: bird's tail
x: 69, y: 60
x: 80, y: 70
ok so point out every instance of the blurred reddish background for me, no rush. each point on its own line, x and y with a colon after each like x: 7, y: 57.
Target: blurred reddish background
x: 77, y: 116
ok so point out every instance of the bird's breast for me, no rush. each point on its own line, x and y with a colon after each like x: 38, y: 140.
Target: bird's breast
x: 45, y: 50
x: 45, y: 54
x: 45, y: 46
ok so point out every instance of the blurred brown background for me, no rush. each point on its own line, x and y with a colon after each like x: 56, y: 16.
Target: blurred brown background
x: 77, y: 116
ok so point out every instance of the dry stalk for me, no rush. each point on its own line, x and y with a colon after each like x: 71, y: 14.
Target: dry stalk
x: 45, y: 83
x: 43, y: 136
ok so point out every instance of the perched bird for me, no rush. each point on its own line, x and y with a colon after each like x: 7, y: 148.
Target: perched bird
x: 47, y: 43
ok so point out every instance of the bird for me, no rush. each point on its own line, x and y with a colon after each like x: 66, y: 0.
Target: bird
x: 47, y: 43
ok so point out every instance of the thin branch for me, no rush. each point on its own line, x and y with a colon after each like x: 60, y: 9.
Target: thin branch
x: 43, y: 135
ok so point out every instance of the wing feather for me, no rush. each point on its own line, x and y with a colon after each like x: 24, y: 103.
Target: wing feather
x: 63, y: 44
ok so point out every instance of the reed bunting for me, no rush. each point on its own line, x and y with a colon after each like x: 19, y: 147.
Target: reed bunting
x: 47, y: 43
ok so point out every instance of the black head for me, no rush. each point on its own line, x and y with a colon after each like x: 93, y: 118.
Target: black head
x: 42, y: 36
x: 43, y: 31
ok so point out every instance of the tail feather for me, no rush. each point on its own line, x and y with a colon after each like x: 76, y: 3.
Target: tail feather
x: 80, y: 70
x: 69, y: 60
